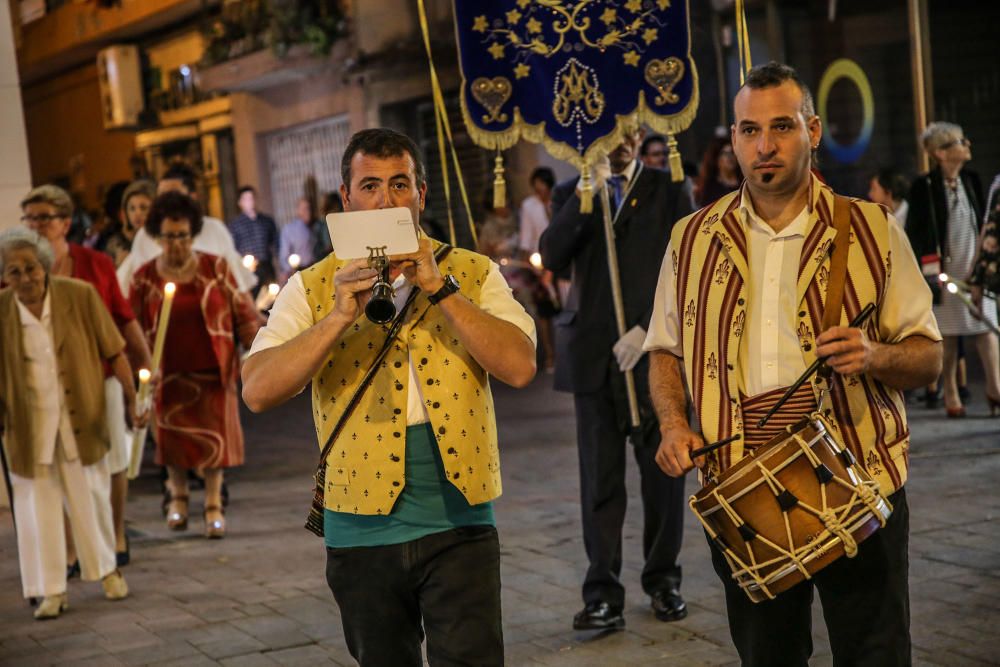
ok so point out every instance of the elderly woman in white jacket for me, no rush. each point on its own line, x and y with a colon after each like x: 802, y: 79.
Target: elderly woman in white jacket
x: 54, y: 332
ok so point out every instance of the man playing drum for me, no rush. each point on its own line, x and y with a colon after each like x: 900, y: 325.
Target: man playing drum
x: 740, y: 305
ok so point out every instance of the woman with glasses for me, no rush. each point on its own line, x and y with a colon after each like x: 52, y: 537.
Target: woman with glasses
x: 54, y: 336
x: 48, y: 210
x: 944, y: 223
x: 196, y: 408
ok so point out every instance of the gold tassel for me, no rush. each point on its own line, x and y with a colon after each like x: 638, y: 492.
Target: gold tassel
x: 499, y: 184
x: 586, y: 191
x: 674, y: 156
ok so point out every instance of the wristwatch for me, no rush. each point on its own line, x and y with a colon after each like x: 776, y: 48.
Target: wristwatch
x: 450, y: 287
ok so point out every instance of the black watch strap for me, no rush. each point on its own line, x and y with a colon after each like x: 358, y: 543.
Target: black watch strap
x: 450, y: 287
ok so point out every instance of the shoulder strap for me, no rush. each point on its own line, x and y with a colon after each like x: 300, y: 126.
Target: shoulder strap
x: 838, y: 263
x: 397, y: 324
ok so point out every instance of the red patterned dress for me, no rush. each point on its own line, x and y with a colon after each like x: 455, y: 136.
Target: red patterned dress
x: 196, y: 403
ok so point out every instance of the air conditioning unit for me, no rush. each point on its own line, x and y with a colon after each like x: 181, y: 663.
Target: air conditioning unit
x: 119, y: 73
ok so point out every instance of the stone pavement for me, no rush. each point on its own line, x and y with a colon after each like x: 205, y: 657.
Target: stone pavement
x: 259, y: 597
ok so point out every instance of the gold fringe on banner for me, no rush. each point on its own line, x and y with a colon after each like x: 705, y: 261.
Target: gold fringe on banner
x: 743, y: 40
x: 499, y: 184
x: 674, y: 158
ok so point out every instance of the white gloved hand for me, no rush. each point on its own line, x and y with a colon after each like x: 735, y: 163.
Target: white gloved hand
x: 628, y: 349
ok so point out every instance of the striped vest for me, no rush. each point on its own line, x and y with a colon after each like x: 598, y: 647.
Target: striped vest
x: 711, y: 268
x: 365, y: 472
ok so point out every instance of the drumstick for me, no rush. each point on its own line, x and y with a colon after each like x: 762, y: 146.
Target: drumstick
x: 813, y: 367
x: 701, y: 451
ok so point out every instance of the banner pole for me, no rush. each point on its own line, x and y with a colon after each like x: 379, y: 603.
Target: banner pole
x: 619, y: 302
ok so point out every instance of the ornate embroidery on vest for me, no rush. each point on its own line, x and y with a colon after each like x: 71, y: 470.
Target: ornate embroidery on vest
x: 722, y: 272
x: 712, y: 367
x: 739, y: 322
x: 872, y: 462
x: 706, y: 225
x: 805, y: 337
x: 689, y: 313
x: 821, y: 251
x: 673, y: 260
x: 823, y: 276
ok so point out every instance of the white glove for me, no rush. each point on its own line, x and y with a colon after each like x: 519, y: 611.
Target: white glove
x: 628, y: 349
x: 600, y: 173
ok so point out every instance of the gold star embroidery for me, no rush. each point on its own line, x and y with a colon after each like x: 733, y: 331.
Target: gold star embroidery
x: 534, y: 25
x: 523, y: 3
x: 634, y: 6
x: 522, y: 70
x: 663, y: 4
x: 513, y: 16
x: 480, y: 24
x: 650, y: 35
x: 632, y: 58
x: 609, y: 16
x: 496, y: 50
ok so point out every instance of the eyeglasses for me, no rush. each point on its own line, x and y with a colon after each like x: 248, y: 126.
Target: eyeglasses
x: 963, y: 141
x: 183, y: 236
x: 40, y: 220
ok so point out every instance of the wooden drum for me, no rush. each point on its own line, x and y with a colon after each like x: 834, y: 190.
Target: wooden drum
x: 790, y: 508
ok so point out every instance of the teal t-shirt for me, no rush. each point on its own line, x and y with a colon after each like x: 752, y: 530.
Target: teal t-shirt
x: 429, y: 503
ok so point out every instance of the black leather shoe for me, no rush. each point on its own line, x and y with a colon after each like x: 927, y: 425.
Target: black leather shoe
x: 599, y: 616
x: 668, y: 605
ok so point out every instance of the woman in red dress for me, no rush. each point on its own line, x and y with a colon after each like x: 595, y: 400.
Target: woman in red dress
x: 196, y: 404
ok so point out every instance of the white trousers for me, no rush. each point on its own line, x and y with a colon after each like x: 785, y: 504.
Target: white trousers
x: 118, y: 430
x: 85, y: 491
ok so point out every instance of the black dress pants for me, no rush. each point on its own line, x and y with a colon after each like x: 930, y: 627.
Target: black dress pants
x: 865, y: 601
x: 602, y: 429
x: 449, y: 580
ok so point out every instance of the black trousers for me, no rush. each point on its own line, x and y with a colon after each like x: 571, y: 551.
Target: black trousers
x: 449, y: 580
x: 602, y: 429
x: 865, y: 600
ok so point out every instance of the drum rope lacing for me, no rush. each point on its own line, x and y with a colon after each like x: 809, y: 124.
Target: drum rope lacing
x: 836, y: 520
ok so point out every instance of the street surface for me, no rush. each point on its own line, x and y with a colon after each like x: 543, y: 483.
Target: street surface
x: 259, y: 597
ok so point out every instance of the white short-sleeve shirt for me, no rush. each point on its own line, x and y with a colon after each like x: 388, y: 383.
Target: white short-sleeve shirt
x: 291, y: 315
x: 770, y: 348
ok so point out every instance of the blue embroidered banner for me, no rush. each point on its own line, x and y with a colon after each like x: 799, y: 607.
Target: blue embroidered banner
x: 573, y: 75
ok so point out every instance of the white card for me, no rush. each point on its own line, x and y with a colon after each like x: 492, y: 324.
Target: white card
x: 355, y: 233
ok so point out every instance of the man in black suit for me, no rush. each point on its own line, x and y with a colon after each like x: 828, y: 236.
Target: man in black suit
x: 590, y: 360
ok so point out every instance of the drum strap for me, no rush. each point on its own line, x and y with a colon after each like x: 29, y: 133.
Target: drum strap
x: 799, y: 404
x: 838, y: 263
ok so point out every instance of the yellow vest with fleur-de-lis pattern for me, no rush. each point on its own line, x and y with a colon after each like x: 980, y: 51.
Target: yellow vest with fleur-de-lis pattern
x: 710, y: 259
x: 365, y: 467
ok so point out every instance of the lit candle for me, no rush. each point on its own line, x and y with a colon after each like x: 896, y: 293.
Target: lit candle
x: 142, y: 400
x: 161, y: 324
x: 266, y: 296
x: 294, y: 261
x: 250, y: 262
x: 536, y: 260
x: 139, y: 435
